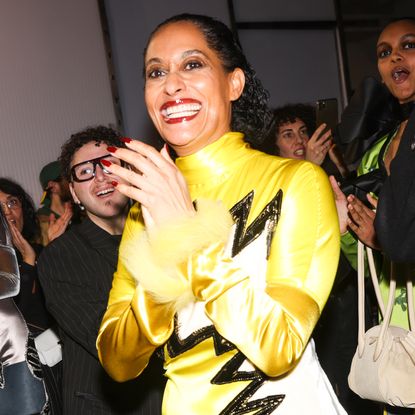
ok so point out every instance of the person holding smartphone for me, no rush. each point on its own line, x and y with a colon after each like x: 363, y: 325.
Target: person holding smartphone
x: 294, y: 134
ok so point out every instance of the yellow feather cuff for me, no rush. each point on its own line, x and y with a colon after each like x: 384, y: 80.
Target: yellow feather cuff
x: 153, y: 260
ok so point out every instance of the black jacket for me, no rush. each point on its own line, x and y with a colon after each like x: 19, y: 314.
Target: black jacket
x: 395, y: 216
x: 76, y: 271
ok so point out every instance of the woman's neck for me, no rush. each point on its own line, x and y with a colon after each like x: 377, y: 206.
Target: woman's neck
x: 394, y: 145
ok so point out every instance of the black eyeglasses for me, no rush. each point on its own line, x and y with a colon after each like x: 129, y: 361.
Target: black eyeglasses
x: 84, y: 171
x: 12, y: 203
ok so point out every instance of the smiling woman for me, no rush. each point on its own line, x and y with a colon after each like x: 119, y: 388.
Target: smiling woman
x: 229, y: 255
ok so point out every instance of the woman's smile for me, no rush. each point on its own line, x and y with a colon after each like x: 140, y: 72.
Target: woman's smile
x: 188, y: 93
x: 180, y: 110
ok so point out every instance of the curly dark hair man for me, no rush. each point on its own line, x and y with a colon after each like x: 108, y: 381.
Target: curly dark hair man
x: 76, y: 273
x: 99, y: 134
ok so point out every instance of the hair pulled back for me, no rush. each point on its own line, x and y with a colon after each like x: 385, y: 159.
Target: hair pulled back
x: 250, y: 113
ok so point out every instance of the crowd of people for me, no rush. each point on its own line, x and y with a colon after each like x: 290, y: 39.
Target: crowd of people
x: 217, y: 275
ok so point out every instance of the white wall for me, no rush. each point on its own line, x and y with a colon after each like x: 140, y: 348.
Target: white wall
x: 53, y: 82
x: 294, y: 65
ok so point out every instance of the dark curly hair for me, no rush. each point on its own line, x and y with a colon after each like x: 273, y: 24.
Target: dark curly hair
x: 250, y: 113
x: 31, y: 229
x: 288, y: 114
x: 99, y: 134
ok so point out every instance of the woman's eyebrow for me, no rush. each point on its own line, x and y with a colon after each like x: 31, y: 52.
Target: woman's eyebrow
x: 184, y: 55
x: 152, y: 60
x: 284, y: 130
x: 193, y: 52
x: 402, y: 38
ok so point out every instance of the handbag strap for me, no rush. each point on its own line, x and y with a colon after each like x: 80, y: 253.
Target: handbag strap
x: 375, y: 281
x: 387, y: 314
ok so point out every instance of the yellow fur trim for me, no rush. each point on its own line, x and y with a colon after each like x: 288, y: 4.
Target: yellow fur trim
x: 152, y: 260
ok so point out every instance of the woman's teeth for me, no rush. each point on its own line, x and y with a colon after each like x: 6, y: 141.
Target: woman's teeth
x: 182, y: 110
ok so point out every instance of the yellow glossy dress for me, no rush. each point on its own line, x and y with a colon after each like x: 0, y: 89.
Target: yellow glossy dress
x: 233, y: 299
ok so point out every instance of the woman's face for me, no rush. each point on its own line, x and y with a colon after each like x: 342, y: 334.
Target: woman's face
x: 396, y: 59
x: 187, y: 92
x: 12, y: 209
x: 292, y: 140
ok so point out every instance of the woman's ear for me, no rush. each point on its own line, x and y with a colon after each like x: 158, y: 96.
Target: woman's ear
x: 74, y: 197
x: 237, y: 83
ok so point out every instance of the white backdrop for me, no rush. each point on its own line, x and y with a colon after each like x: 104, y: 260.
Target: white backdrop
x: 53, y: 81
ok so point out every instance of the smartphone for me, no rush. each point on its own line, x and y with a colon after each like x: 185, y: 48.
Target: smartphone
x: 327, y: 112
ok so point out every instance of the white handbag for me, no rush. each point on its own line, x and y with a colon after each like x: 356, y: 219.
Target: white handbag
x: 49, y: 348
x: 383, y: 367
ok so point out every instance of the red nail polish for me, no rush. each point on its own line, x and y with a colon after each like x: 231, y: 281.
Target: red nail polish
x: 126, y: 140
x: 111, y: 149
x: 106, y: 163
x: 114, y: 183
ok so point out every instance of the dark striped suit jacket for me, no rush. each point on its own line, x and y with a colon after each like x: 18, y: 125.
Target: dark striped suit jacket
x: 75, y: 272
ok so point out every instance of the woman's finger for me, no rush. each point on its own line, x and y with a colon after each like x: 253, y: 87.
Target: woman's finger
x: 130, y: 176
x: 317, y: 133
x: 133, y: 192
x: 166, y: 155
x: 325, y: 139
x: 142, y: 165
x: 373, y: 201
x: 338, y: 194
x: 147, y: 151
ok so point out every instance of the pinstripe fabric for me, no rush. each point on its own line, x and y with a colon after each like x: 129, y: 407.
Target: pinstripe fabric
x: 76, y: 271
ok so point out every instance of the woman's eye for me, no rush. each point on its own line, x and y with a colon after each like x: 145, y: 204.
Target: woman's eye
x: 383, y: 53
x: 193, y: 65
x: 409, y: 45
x: 155, y: 73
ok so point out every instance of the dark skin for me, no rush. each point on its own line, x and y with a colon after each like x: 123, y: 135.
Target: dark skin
x: 355, y: 215
x: 396, y: 65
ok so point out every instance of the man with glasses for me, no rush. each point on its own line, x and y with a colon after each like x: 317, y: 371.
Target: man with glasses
x: 76, y: 271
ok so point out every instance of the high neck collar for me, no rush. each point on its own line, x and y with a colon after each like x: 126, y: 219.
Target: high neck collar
x: 407, y: 109
x: 213, y: 163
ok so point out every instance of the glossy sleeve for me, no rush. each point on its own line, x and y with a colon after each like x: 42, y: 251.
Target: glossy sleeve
x: 272, y: 326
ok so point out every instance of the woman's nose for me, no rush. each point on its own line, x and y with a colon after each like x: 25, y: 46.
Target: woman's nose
x: 174, y: 83
x: 299, y: 138
x: 396, y: 56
